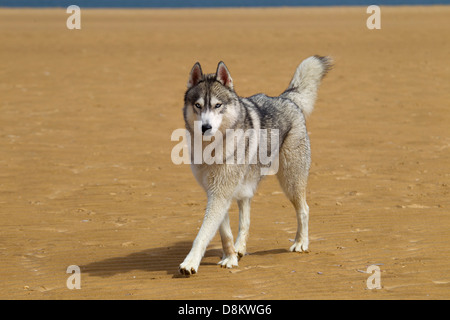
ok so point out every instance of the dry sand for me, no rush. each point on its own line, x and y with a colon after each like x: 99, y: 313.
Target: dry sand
x: 86, y: 176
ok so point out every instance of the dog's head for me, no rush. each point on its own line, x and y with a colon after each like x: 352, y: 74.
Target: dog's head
x: 210, y: 100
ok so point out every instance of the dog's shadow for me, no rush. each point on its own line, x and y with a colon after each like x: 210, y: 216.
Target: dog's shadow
x: 156, y: 259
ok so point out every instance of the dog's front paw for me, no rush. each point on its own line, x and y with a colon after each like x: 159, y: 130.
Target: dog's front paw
x: 240, y: 250
x: 300, y: 246
x: 229, y: 261
x: 187, y: 268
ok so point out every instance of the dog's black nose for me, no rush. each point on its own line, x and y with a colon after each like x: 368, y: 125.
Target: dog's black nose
x: 206, y: 127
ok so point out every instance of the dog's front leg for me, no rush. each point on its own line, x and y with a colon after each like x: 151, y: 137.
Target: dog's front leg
x: 216, y: 210
x: 229, y: 258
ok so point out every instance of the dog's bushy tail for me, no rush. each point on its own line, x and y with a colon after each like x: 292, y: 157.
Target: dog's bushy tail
x: 304, y: 85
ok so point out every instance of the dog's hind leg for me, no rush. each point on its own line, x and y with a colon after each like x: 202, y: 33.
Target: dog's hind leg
x: 301, y: 243
x: 244, y: 226
x: 229, y: 258
x: 293, y: 175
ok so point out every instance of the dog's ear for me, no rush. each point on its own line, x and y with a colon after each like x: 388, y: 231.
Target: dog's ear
x: 223, y: 75
x: 195, y: 76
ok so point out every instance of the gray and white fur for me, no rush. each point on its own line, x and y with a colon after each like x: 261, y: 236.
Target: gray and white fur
x: 211, y: 104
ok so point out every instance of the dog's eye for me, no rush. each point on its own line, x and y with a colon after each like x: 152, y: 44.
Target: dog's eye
x: 218, y: 105
x: 197, y: 105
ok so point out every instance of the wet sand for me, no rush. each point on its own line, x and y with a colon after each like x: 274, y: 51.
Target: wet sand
x: 86, y: 176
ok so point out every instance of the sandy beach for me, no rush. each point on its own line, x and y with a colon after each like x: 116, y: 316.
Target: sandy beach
x: 87, y: 179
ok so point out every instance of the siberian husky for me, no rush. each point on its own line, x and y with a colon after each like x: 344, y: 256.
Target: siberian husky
x: 213, y: 109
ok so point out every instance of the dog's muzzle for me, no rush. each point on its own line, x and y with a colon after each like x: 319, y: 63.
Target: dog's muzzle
x: 206, y: 127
